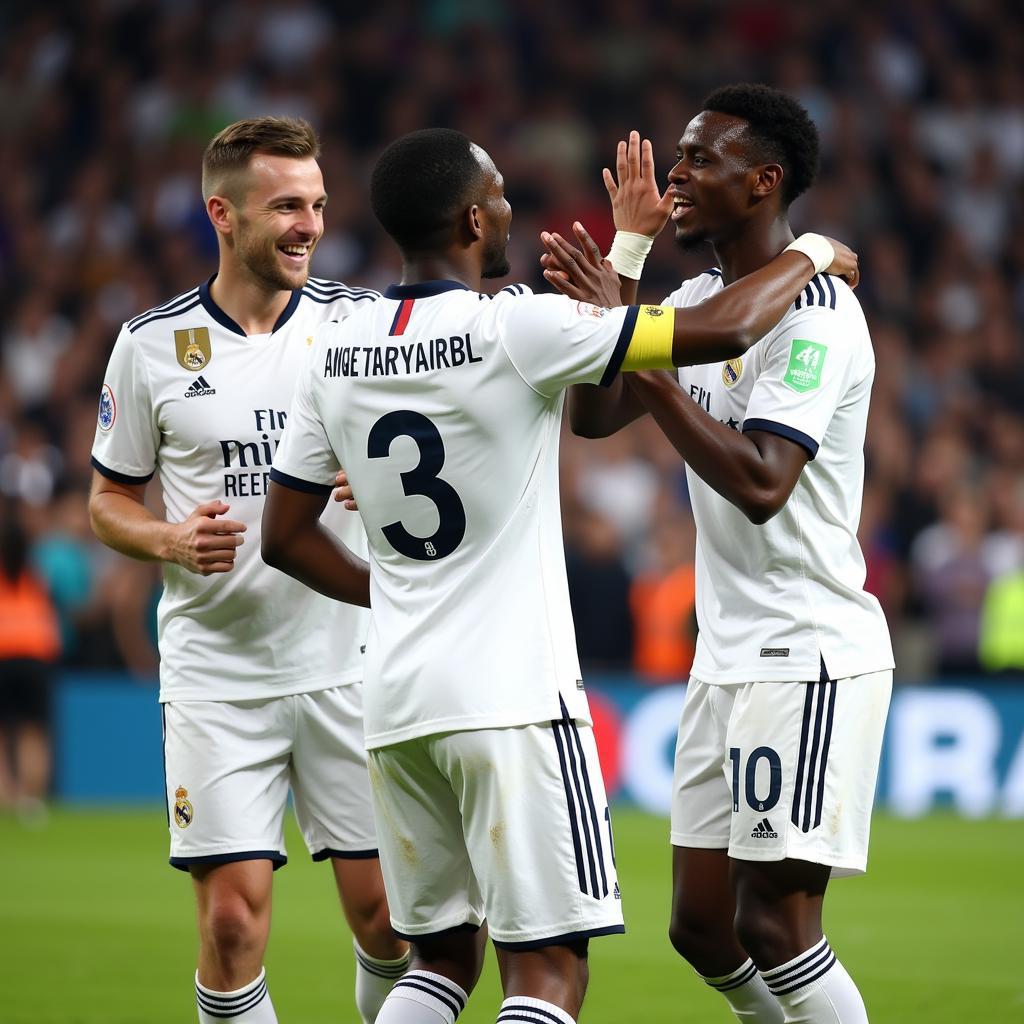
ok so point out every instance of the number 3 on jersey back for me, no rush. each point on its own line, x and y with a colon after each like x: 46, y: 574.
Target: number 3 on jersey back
x: 421, y: 479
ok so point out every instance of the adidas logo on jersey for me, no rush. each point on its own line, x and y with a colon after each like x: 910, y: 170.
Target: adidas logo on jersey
x: 615, y: 892
x: 199, y: 388
x: 763, y: 830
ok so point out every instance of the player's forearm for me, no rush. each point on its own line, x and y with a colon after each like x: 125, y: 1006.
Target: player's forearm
x: 296, y: 542
x: 628, y: 289
x: 722, y: 457
x: 316, y: 558
x: 729, y: 322
x: 600, y: 412
x: 126, y: 525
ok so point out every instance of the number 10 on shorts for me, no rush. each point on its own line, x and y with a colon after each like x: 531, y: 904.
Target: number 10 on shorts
x: 760, y: 761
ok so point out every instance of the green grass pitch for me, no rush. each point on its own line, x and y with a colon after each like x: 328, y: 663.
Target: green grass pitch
x: 95, y: 927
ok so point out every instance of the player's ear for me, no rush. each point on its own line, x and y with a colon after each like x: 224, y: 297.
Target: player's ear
x: 767, y: 178
x: 474, y: 222
x: 217, y: 209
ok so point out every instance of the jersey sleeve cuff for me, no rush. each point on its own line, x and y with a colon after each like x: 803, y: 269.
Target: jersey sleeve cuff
x: 619, y: 352
x: 119, y: 478
x: 297, y: 484
x: 789, y: 433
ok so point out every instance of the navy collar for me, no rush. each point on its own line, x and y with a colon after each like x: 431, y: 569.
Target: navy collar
x: 224, y: 320
x: 423, y: 290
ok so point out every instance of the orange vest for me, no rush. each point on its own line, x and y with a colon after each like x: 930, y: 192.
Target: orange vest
x: 28, y: 623
x: 662, y: 623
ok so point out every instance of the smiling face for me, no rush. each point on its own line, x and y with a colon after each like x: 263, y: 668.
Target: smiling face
x: 713, y: 180
x: 278, y: 220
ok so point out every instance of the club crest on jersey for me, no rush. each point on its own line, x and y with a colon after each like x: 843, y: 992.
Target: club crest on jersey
x: 182, y: 808
x: 589, y: 309
x: 732, y: 371
x: 192, y: 347
x: 108, y: 408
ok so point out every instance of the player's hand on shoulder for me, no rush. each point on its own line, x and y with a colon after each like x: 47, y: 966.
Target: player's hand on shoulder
x: 845, y: 264
x: 581, y: 273
x: 637, y: 205
x: 343, y: 491
x: 206, y: 544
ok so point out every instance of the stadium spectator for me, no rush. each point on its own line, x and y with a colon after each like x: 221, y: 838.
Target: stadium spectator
x: 598, y: 589
x: 1001, y: 633
x: 951, y: 570
x: 29, y: 645
x: 661, y: 600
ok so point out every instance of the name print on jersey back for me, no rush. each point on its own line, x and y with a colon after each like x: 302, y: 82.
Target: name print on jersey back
x: 391, y: 360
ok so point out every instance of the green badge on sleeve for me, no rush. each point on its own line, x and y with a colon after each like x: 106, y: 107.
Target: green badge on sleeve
x: 806, y: 358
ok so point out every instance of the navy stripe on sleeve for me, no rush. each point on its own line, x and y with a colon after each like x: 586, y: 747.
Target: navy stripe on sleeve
x: 621, y: 346
x: 119, y: 478
x: 298, y: 485
x: 790, y: 433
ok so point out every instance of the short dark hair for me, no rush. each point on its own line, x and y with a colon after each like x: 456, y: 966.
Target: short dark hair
x: 781, y: 131
x: 420, y: 184
x: 230, y: 150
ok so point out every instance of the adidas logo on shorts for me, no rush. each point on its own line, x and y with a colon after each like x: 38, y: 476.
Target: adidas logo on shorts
x: 199, y: 388
x: 763, y: 830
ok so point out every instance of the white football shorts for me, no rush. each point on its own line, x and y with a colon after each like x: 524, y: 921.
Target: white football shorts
x: 509, y: 825
x: 228, y: 767
x: 781, y: 770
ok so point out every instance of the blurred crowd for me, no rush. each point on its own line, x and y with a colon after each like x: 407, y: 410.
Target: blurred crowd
x: 105, y: 108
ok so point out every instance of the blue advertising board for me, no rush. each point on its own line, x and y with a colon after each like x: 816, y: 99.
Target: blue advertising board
x: 956, y: 746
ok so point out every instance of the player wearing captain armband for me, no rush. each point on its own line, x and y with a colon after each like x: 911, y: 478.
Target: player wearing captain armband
x: 785, y: 708
x: 444, y: 406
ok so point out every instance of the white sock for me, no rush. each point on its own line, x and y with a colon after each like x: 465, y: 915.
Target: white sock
x: 747, y: 995
x: 422, y: 997
x: 374, y: 979
x: 814, y: 988
x: 532, y: 1011
x: 247, y: 1005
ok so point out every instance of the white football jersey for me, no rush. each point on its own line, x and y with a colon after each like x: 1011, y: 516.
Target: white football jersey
x: 444, y: 405
x: 189, y: 395
x: 786, y: 600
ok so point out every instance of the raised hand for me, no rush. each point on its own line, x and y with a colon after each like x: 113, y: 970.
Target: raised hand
x: 205, y: 544
x: 580, y: 273
x: 637, y: 205
x: 845, y: 265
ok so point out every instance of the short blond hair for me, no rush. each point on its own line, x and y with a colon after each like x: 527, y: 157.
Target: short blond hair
x: 230, y: 150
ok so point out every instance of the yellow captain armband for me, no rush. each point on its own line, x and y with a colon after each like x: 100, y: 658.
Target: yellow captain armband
x: 650, y: 347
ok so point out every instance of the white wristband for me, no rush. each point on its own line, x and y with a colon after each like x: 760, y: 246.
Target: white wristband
x: 817, y: 248
x: 629, y: 253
